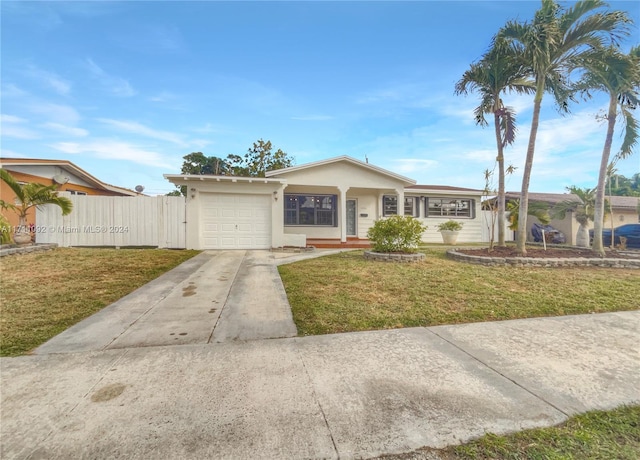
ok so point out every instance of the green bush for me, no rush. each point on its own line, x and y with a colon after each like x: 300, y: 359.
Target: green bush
x: 450, y: 225
x: 5, y: 230
x: 396, y: 234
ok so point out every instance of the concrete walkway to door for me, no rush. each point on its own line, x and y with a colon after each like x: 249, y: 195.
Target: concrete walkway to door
x: 218, y: 296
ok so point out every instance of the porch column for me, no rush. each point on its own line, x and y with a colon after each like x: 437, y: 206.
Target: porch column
x: 342, y: 198
x: 400, y: 193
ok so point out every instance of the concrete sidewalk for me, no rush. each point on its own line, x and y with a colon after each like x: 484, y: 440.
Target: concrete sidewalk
x: 353, y: 395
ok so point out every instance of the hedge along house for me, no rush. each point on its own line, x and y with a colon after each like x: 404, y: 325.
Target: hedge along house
x: 332, y: 202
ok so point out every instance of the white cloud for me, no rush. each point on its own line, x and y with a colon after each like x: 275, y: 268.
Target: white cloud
x: 116, y: 85
x: 4, y: 118
x: 61, y: 113
x: 114, y: 150
x: 50, y: 79
x: 4, y: 153
x: 142, y: 130
x: 413, y: 165
x: 485, y: 156
x: 11, y: 127
x: 200, y: 143
x: 313, y: 118
x: 11, y: 91
x: 67, y: 130
x: 164, y: 96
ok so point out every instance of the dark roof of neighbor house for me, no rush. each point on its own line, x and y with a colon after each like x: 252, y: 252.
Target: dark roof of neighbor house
x: 619, y: 202
x: 70, y: 168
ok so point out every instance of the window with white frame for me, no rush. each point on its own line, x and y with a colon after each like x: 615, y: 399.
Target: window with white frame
x: 75, y: 192
x: 310, y: 210
x: 447, y: 207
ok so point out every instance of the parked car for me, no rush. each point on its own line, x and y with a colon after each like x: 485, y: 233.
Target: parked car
x: 553, y: 235
x: 630, y: 231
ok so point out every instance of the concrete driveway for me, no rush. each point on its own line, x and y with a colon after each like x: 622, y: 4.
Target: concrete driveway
x: 113, y: 387
x: 217, y: 296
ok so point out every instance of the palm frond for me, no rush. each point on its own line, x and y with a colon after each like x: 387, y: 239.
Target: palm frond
x: 631, y: 134
x: 13, y: 184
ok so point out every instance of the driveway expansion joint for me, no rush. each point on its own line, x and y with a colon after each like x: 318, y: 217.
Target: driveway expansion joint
x: 315, y: 396
x: 493, y: 369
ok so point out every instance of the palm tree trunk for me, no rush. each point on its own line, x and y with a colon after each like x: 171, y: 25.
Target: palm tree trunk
x: 598, y: 219
x: 500, y: 160
x: 523, y: 213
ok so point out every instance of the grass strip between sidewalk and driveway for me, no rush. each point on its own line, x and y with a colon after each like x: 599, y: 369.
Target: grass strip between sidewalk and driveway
x: 345, y: 293
x: 42, y: 294
x: 596, y: 435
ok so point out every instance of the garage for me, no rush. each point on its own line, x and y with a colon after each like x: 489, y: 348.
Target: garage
x: 235, y: 221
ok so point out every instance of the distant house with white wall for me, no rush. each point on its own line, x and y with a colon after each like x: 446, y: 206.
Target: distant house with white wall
x: 330, y: 202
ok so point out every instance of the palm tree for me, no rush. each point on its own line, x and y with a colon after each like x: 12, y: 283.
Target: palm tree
x: 536, y: 209
x: 618, y: 75
x: 500, y: 69
x: 555, y: 44
x: 28, y: 196
x: 583, y: 209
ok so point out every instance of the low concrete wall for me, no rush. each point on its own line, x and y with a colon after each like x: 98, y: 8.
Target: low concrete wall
x: 401, y: 258
x: 298, y: 240
x: 14, y: 250
x: 540, y: 262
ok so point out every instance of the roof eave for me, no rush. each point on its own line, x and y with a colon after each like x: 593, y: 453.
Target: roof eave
x: 182, y: 179
x: 349, y: 159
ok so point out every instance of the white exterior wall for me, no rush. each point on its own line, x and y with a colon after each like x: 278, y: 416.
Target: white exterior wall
x: 367, y: 204
x: 472, y: 230
x: 348, y: 181
x: 47, y: 171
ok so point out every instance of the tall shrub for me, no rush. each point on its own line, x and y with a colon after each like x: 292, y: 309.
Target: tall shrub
x: 396, y: 234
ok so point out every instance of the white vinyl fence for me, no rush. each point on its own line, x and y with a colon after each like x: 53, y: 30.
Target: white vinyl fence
x: 487, y: 222
x: 114, y: 221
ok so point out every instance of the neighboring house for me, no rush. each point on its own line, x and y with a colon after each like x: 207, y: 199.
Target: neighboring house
x: 67, y: 176
x: 334, y: 200
x: 625, y: 211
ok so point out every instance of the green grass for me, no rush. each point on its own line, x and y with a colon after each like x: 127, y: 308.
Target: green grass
x: 42, y: 294
x: 598, y: 435
x: 344, y: 292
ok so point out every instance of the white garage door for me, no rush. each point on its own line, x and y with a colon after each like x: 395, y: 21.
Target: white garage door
x: 236, y: 221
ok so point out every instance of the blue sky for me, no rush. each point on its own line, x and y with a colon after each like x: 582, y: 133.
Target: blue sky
x: 126, y: 89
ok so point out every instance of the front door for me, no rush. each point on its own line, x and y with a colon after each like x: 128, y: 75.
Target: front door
x: 351, y: 218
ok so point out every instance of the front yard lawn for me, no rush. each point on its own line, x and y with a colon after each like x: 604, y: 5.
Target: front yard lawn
x: 344, y: 292
x: 42, y: 294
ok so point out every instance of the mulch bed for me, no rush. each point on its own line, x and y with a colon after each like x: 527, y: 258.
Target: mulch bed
x: 550, y: 253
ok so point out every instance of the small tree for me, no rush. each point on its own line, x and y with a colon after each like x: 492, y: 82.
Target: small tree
x: 28, y: 196
x: 198, y: 163
x: 396, y: 234
x: 583, y: 210
x: 258, y: 160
